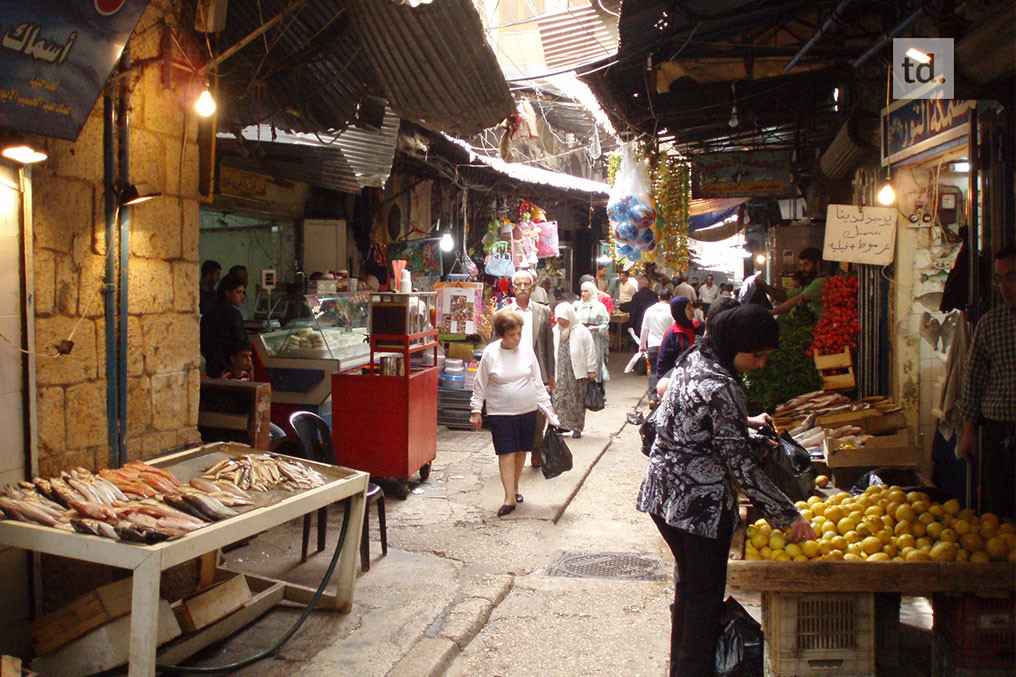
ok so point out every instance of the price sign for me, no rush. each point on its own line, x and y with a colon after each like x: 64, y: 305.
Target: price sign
x: 860, y: 234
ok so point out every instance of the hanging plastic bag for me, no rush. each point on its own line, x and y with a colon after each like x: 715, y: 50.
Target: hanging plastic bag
x: 547, y: 243
x: 499, y: 262
x: 557, y: 457
x: 595, y: 398
x: 630, y: 208
x: 739, y: 648
x: 789, y: 465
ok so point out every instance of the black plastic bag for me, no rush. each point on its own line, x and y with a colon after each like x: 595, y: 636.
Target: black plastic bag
x: 884, y: 477
x: 789, y: 466
x: 595, y: 399
x: 647, y: 431
x: 739, y: 648
x: 557, y: 456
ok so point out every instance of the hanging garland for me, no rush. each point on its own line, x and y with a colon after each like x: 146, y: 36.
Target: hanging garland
x: 613, y: 166
x: 672, y: 192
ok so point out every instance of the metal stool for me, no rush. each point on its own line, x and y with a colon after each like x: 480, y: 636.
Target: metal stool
x: 315, y: 444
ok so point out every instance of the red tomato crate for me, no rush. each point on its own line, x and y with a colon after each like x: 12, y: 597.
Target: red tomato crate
x: 980, y: 631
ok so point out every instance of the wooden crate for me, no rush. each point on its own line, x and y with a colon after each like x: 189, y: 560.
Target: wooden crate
x: 828, y: 363
x: 98, y: 607
x: 235, y: 411
x: 889, y: 451
x: 819, y: 633
x: 212, y: 604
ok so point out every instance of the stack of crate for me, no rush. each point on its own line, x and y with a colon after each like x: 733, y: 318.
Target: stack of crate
x: 453, y: 407
x: 812, y: 634
x: 974, y: 635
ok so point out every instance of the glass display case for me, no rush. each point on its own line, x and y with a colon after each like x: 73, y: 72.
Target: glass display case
x: 328, y: 327
x: 396, y: 315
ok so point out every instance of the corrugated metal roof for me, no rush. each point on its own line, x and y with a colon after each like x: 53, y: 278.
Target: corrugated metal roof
x: 346, y: 162
x: 433, y: 63
x: 574, y: 36
x: 311, y: 69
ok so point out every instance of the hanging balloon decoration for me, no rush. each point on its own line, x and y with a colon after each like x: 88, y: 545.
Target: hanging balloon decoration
x: 631, y: 210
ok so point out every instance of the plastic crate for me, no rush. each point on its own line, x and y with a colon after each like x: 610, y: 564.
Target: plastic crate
x: 819, y: 634
x: 944, y: 662
x: 980, y: 631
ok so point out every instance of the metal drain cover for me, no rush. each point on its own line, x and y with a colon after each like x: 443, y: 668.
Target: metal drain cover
x: 625, y: 566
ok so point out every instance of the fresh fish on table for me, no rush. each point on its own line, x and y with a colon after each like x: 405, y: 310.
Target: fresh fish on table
x: 141, y: 466
x: 209, y: 506
x: 139, y: 534
x: 65, y: 493
x: 233, y: 489
x: 84, y: 525
x: 87, y: 490
x: 177, y: 501
x: 158, y: 482
x: 158, y: 509
x: 96, y: 511
x: 24, y: 511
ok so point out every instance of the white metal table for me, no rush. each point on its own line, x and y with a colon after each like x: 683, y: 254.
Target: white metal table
x: 148, y: 561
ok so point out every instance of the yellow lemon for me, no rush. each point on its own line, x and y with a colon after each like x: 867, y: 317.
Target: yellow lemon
x: 765, y: 552
x: 879, y: 557
x: 996, y: 549
x: 829, y: 535
x: 987, y: 532
x: 913, y: 497
x: 812, y: 500
x: 924, y: 542
x: 873, y: 489
x: 781, y: 556
x: 759, y: 539
x: 972, y: 542
x: 811, y: 549
x: 873, y: 523
x: 962, y: 555
x: 792, y: 549
x: 800, y: 558
x: 897, y: 496
x: 761, y: 523
x: 966, y: 514
x: 905, y: 513
x: 801, y: 505
x: 852, y: 537
x: 834, y: 513
x: 874, y: 511
x: 1011, y: 557
x: 839, y: 543
x: 862, y: 502
x: 918, y: 529
x: 1007, y: 528
x: 888, y: 521
x: 937, y: 510
x: 752, y: 557
x: 906, y: 541
x: 961, y: 527
x: 777, y: 541
x: 856, y: 515
x: 943, y: 551
x: 920, y: 507
x: 926, y: 518
x: 871, y: 545
x: 807, y: 514
x: 906, y: 551
x: 844, y: 525
x: 825, y: 547
x: 1010, y: 539
x: 854, y: 549
x: 917, y: 556
x: 818, y: 508
x: 934, y: 530
x: 851, y: 557
x: 885, y: 536
x: 948, y: 535
x: 903, y: 528
x: 821, y: 481
x: 835, y: 555
x: 891, y: 550
x: 979, y: 557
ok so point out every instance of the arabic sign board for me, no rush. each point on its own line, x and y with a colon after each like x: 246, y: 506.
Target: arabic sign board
x: 55, y: 57
x: 751, y: 174
x: 860, y: 234
x: 911, y: 127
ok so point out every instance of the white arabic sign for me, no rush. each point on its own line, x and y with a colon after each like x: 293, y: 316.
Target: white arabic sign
x: 860, y: 234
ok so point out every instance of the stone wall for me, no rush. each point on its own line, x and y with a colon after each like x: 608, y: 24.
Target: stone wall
x: 70, y: 248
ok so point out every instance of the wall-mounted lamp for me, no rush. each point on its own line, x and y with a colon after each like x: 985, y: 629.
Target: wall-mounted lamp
x: 886, y: 196
x: 127, y: 195
x: 205, y: 105
x: 19, y: 151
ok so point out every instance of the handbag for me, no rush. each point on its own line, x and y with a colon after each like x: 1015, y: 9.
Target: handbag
x: 557, y: 457
x: 595, y: 398
x: 499, y: 262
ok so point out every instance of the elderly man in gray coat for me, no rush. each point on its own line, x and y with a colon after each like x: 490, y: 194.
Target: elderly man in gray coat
x: 536, y: 332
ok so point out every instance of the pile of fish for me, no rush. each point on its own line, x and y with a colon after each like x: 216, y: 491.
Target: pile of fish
x: 820, y: 402
x: 264, y: 472
x: 812, y: 437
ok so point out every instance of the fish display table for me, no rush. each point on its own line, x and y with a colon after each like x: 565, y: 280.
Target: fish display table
x: 148, y: 561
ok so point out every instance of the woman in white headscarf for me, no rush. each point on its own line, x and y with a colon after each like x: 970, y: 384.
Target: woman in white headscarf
x: 577, y: 362
x: 593, y: 314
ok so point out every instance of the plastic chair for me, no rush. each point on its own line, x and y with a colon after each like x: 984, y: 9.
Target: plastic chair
x: 315, y: 443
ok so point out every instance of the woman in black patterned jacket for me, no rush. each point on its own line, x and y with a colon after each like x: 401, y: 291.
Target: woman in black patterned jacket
x: 702, y: 454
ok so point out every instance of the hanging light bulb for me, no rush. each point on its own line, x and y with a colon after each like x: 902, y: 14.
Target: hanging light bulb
x: 205, y: 105
x: 886, y: 196
x: 447, y: 243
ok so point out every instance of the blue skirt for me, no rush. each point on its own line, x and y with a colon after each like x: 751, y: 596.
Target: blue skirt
x: 512, y: 433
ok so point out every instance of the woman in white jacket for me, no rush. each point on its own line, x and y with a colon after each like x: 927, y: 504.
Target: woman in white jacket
x: 577, y: 361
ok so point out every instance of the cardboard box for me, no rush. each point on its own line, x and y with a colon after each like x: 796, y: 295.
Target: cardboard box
x: 212, y: 604
x: 890, y: 451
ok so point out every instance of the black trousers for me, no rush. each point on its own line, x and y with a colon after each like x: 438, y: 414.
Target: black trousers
x: 652, y: 354
x: 701, y: 578
x: 998, y: 468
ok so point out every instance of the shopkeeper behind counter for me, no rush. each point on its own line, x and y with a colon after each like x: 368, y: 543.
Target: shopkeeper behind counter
x: 222, y: 327
x: 813, y: 281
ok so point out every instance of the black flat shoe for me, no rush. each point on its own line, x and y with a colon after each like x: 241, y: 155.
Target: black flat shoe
x: 504, y: 510
x: 519, y: 498
x: 576, y: 434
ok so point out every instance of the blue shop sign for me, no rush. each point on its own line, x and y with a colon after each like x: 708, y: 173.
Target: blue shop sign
x: 55, y: 57
x: 913, y: 127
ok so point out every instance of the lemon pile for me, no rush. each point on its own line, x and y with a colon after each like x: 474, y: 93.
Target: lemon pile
x: 886, y: 524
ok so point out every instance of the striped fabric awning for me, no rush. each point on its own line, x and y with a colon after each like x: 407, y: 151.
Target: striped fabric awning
x: 574, y: 36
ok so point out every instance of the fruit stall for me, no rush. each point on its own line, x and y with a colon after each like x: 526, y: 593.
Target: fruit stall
x: 148, y: 517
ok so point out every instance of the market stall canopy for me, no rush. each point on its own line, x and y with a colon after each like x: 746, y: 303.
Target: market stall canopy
x: 346, y: 162
x: 326, y: 63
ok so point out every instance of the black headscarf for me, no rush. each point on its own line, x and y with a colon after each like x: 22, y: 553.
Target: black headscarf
x: 677, y: 306
x: 748, y: 328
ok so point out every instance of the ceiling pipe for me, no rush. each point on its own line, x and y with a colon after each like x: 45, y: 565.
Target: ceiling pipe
x: 881, y: 42
x: 836, y: 15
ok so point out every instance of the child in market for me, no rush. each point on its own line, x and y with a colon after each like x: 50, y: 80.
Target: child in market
x: 241, y: 363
